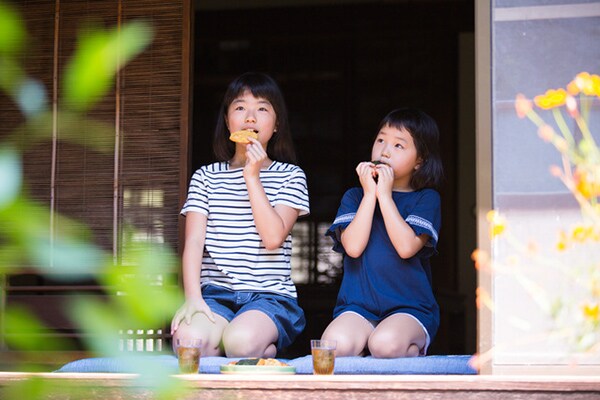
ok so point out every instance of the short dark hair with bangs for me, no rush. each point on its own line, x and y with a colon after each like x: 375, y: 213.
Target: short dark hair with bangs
x: 281, y: 146
x: 425, y: 134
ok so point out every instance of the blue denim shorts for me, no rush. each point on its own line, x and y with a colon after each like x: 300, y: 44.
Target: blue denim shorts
x: 284, y: 311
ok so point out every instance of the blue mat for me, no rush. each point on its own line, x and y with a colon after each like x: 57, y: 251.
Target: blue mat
x: 428, y: 365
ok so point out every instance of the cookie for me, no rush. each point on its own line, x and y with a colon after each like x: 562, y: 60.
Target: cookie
x: 242, y: 136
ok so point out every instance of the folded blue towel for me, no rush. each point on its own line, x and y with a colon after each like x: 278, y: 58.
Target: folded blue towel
x: 428, y: 365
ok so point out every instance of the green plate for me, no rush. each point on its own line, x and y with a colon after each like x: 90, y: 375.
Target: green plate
x: 258, y: 369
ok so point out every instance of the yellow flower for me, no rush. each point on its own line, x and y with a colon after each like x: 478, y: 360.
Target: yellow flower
x: 582, y: 233
x: 497, y: 223
x: 591, y: 312
x: 586, y: 84
x: 522, y: 105
x: 551, y: 99
x: 596, y: 84
x: 583, y: 83
x: 572, y: 88
x: 586, y: 184
x: 563, y: 241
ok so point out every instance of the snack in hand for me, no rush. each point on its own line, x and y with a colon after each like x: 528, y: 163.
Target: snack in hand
x: 259, y: 361
x: 242, y: 136
x: 375, y: 174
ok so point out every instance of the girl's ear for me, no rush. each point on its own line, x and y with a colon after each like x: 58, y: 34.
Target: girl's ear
x: 419, y: 163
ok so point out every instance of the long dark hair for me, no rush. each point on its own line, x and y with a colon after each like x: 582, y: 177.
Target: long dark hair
x: 281, y: 146
x: 425, y: 134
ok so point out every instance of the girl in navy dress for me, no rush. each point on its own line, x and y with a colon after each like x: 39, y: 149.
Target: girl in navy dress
x: 387, y: 230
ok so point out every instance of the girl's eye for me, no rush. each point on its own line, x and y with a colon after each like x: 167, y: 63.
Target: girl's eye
x: 379, y: 140
x: 239, y: 108
x: 399, y: 146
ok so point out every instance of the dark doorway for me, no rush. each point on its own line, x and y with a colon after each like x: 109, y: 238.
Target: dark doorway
x: 342, y: 68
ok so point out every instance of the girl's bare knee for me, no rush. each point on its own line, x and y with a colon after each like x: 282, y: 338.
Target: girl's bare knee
x: 346, y: 345
x: 393, y: 348
x: 242, y: 343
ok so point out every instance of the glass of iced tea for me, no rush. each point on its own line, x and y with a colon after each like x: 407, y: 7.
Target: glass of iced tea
x: 323, y: 355
x: 188, y: 355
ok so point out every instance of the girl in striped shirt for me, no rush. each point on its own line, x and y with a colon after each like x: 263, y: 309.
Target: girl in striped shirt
x: 239, y: 296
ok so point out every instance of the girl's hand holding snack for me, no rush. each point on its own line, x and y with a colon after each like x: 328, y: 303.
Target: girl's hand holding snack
x: 366, y: 175
x: 255, y: 156
x: 385, y: 180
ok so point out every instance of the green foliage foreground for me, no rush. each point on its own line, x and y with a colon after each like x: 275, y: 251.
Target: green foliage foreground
x: 25, y: 238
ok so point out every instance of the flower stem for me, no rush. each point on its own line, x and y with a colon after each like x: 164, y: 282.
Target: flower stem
x: 564, y: 129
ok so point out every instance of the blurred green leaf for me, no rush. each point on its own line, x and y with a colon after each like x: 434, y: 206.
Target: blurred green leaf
x: 12, y: 30
x: 75, y: 259
x: 10, y: 176
x: 64, y: 250
x: 99, y: 55
x: 22, y: 326
x: 11, y: 75
x: 141, y: 284
x: 30, y: 389
x: 100, y: 322
x: 72, y: 127
x: 31, y: 97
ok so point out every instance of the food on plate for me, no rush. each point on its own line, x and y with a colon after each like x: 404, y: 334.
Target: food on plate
x: 242, y: 136
x: 260, y: 362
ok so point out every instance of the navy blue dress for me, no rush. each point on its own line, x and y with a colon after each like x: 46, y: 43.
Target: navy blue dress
x: 379, y: 282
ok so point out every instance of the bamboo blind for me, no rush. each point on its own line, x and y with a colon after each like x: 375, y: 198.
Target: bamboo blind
x: 137, y: 182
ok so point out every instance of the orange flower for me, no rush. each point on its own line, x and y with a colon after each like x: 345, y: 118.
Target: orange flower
x: 483, y: 298
x: 556, y: 171
x: 546, y: 132
x: 551, y: 99
x: 481, y: 259
x: 522, y: 105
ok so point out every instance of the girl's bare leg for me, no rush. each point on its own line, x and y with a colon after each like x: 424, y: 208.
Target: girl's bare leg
x: 251, y: 334
x: 201, y: 327
x: 399, y: 335
x: 351, y: 331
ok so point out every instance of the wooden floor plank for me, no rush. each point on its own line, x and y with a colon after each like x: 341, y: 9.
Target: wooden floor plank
x: 205, y: 386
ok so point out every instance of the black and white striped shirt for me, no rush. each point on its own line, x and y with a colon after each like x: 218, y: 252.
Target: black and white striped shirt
x: 234, y: 255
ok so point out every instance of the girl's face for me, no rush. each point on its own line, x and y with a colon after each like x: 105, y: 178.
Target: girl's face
x: 397, y: 149
x: 253, y: 113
